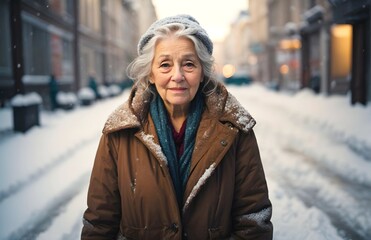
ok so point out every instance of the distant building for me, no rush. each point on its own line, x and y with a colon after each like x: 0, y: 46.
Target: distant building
x: 69, y: 39
x: 284, y: 20
x: 319, y: 44
x: 259, y: 41
x: 352, y: 25
x: 236, y: 44
x: 336, y: 48
x: 146, y: 14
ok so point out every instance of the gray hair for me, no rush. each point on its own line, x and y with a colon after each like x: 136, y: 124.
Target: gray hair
x: 140, y: 68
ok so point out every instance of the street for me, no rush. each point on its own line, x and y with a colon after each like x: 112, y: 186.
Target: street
x: 309, y: 161
x: 315, y: 151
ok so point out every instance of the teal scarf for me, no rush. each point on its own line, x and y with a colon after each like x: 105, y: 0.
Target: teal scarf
x: 179, y: 168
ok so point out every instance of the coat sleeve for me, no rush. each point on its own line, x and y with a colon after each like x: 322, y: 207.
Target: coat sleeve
x: 252, y: 209
x: 102, y: 217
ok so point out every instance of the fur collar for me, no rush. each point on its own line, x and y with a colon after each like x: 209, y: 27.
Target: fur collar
x: 220, y: 105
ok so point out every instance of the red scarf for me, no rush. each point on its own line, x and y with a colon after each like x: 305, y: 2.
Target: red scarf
x: 179, y: 138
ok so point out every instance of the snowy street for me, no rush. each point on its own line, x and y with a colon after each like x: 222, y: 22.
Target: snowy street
x: 316, y: 152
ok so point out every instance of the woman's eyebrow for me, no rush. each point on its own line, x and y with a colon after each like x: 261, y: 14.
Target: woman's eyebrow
x: 190, y: 56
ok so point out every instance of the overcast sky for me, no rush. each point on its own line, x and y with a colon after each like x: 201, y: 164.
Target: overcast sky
x: 214, y: 15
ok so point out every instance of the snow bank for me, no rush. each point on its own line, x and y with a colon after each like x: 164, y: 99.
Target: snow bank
x: 86, y: 94
x: 66, y: 98
x: 28, y: 99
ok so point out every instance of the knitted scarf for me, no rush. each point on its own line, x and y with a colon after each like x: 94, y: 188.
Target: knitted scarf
x: 179, y: 168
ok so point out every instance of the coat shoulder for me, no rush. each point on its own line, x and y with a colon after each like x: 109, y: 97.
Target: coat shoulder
x: 229, y: 109
x: 130, y: 114
x: 238, y: 114
x: 121, y: 118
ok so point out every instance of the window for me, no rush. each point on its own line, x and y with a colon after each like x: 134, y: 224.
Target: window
x: 90, y: 14
x: 5, y: 48
x: 36, y: 49
x: 67, y: 62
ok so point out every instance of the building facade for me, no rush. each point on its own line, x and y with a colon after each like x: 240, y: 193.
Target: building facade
x: 284, y: 20
x: 317, y: 44
x: 236, y: 44
x: 258, y: 43
x: 336, y: 50
x: 355, y: 17
x: 71, y: 40
x: 315, y: 41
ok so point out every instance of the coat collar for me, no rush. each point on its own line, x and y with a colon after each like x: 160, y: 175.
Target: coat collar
x: 220, y: 105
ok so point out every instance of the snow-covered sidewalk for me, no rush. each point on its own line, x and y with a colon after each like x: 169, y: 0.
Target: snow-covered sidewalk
x: 44, y: 173
x: 315, y: 149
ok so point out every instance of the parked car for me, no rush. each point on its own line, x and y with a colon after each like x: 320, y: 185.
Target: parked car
x: 238, y: 79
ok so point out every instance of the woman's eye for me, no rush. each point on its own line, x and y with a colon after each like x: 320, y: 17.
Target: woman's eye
x: 189, y: 64
x: 165, y: 65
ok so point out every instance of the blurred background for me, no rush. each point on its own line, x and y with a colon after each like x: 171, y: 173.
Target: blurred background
x: 301, y: 67
x: 284, y: 44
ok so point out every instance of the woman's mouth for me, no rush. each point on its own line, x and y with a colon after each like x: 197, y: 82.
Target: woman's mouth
x: 178, y: 89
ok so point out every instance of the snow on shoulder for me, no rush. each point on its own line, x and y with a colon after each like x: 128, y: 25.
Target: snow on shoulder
x: 241, y: 115
x: 121, y: 118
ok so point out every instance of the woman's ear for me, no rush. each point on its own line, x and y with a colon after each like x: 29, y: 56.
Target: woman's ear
x: 150, y: 77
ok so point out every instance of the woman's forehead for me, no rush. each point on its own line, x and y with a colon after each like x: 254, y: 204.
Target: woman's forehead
x: 172, y: 43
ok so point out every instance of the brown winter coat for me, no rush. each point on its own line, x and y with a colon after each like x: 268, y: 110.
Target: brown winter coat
x: 131, y: 195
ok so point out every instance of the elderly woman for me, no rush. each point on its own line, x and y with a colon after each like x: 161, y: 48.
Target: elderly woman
x: 179, y: 159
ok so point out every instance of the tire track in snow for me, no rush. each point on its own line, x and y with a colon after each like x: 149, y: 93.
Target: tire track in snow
x: 39, y: 173
x: 33, y: 202
x: 351, y: 226
x: 308, y: 137
x: 352, y: 142
x: 32, y: 210
x: 68, y: 224
x: 32, y: 228
x: 75, y: 232
x: 291, y: 212
x: 320, y: 178
x: 317, y: 185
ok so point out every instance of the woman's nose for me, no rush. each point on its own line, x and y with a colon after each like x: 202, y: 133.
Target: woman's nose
x: 177, y: 74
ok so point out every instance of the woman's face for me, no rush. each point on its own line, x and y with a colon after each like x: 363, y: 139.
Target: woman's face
x: 176, y: 71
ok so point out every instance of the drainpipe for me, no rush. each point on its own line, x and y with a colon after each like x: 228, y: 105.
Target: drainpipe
x: 17, y: 45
